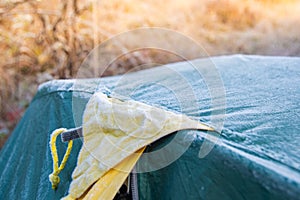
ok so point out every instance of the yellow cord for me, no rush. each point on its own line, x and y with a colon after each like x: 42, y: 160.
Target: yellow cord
x: 54, y: 178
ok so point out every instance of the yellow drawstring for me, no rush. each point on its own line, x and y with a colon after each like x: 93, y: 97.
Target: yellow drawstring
x: 54, y: 178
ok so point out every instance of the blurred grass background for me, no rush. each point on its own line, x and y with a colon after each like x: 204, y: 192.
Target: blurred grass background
x: 45, y: 40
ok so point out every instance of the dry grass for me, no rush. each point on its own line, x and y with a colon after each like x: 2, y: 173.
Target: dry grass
x: 40, y: 41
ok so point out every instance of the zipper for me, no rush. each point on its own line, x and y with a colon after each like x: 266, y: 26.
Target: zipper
x: 134, y: 185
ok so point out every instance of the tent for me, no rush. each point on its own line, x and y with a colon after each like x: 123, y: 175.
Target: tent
x: 257, y: 155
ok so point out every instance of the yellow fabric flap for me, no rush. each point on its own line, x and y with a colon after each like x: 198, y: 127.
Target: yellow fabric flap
x: 113, y: 131
x: 109, y: 184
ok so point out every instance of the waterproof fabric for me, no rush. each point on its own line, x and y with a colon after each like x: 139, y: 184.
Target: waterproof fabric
x: 257, y: 155
x: 114, y: 130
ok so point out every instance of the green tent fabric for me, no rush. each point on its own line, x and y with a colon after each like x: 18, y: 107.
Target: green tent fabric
x: 256, y: 157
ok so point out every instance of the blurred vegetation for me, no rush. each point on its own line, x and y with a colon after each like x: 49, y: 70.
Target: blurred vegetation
x: 44, y: 40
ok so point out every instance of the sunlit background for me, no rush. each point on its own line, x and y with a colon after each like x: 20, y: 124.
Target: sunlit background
x: 45, y: 40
